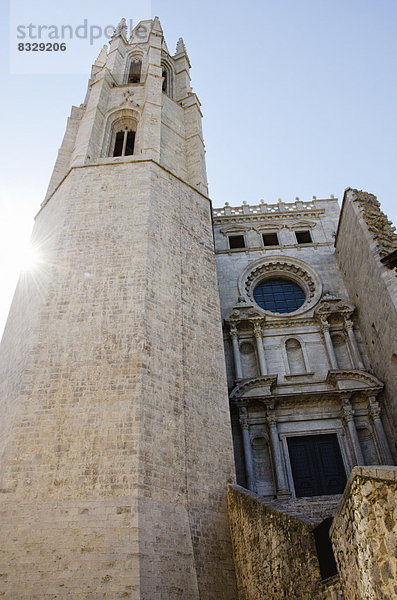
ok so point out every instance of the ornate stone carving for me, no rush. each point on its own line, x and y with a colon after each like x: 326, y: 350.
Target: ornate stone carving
x: 289, y: 268
x: 347, y: 409
x: 281, y: 266
x: 233, y: 332
x: 271, y: 418
x: 374, y: 408
x: 331, y: 305
x: 382, y: 230
x: 244, y: 313
x: 128, y: 99
x: 324, y: 325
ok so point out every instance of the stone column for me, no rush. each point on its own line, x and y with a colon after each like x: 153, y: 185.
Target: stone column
x: 374, y: 410
x: 281, y: 483
x: 328, y: 343
x: 249, y: 463
x: 348, y: 415
x: 236, y: 352
x: 259, y: 345
x: 358, y: 363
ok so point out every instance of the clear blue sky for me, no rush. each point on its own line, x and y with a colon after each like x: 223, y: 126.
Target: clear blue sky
x: 299, y: 99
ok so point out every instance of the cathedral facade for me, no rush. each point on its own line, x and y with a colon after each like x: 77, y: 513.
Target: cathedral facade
x: 304, y: 398
x: 164, y: 352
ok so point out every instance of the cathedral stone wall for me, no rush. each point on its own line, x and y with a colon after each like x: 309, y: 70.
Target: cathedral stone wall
x: 322, y: 218
x: 296, y: 352
x: 364, y: 237
x: 117, y: 454
x: 364, y: 535
x: 115, y: 433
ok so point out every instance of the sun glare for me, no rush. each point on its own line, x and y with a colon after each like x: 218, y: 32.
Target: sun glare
x: 28, y: 258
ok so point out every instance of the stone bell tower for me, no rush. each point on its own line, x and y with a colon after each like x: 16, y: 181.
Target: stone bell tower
x: 115, y: 437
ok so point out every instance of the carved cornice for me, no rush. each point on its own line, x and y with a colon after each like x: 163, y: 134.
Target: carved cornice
x: 265, y: 227
x: 244, y: 312
x: 261, y: 217
x: 331, y: 305
x: 300, y: 224
x: 262, y: 249
x: 272, y: 211
x: 246, y: 389
x: 365, y: 382
x: 342, y: 387
x: 332, y: 398
x: 326, y: 398
x: 290, y: 322
x: 235, y: 229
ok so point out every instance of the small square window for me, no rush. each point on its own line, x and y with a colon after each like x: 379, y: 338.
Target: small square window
x: 236, y: 241
x: 303, y: 237
x: 270, y: 239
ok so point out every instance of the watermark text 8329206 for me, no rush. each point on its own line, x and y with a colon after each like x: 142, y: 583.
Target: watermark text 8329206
x: 41, y: 47
x: 45, y: 39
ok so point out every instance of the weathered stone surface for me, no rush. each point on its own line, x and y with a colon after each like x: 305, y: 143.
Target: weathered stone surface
x: 274, y: 553
x: 364, y: 236
x: 364, y: 534
x: 312, y: 509
x: 115, y: 439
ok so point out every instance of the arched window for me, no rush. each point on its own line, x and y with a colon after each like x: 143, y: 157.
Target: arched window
x: 341, y: 351
x: 121, y: 134
x: 296, y: 361
x: 124, y: 142
x: 166, y: 72
x: 134, y: 73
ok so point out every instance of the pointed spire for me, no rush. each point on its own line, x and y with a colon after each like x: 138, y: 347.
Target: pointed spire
x: 157, y: 25
x: 102, y: 57
x: 121, y: 29
x: 180, y: 47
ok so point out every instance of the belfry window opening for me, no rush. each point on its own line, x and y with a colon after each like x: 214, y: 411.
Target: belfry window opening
x: 166, y: 73
x: 134, y: 74
x: 124, y: 143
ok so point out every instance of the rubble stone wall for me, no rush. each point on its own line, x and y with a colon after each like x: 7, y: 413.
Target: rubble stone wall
x: 364, y: 535
x: 274, y: 553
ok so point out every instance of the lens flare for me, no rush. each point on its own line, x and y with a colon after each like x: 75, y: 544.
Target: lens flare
x: 28, y: 258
